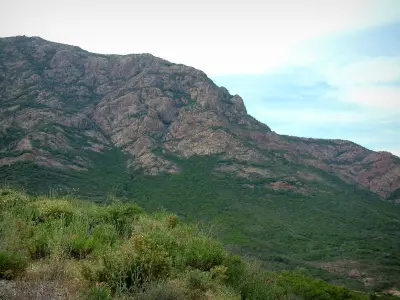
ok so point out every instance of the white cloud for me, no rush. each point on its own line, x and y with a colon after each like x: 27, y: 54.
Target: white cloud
x: 376, y: 70
x: 379, y: 97
x: 217, y: 36
x: 367, y: 71
x: 394, y: 151
x: 369, y: 82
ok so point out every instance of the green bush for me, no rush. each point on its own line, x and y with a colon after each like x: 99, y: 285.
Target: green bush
x: 81, y: 245
x: 38, y: 243
x: 10, y: 198
x: 219, y: 273
x: 235, y: 269
x: 199, y: 280
x: 105, y: 234
x: 262, y: 286
x: 162, y: 291
x: 53, y: 209
x: 202, y: 253
x: 172, y: 221
x: 121, y: 215
x: 99, y: 293
x: 310, y: 288
x: 11, y: 263
x: 134, y: 264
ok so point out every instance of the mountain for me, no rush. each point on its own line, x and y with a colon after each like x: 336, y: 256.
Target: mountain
x: 59, y: 102
x: 164, y: 134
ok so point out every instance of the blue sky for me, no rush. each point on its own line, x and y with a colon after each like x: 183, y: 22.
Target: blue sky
x: 324, y: 69
x: 347, y: 87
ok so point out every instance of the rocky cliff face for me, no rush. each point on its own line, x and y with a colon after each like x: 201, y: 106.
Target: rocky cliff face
x: 59, y: 104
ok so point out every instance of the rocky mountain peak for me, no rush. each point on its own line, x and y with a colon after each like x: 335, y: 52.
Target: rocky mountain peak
x: 60, y: 103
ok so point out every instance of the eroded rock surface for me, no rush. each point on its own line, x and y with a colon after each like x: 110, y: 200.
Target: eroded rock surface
x: 59, y: 103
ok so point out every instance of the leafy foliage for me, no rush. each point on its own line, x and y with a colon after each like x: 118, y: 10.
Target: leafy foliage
x: 11, y: 263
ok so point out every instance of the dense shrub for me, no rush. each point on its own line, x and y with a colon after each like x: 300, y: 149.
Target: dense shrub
x: 202, y: 253
x: 163, y: 290
x: 262, y: 286
x: 235, y: 269
x: 199, y: 280
x: 121, y: 215
x: 10, y: 199
x: 134, y: 264
x: 53, y: 209
x: 38, y: 242
x: 104, y: 234
x: 11, y: 263
x: 309, y: 288
x: 99, y: 293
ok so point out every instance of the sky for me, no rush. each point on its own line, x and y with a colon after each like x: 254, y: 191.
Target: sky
x: 323, y: 69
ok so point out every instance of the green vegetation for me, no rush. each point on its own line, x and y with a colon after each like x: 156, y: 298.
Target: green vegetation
x: 395, y: 195
x: 118, y: 251
x: 10, y: 135
x: 108, y: 177
x: 284, y: 229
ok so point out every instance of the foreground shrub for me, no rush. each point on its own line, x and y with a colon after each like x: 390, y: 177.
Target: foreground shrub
x: 133, y: 265
x: 235, y: 271
x: 11, y: 263
x: 163, y: 290
x: 199, y: 280
x: 99, y: 293
x: 81, y: 245
x: 38, y: 243
x: 105, y: 234
x: 202, y: 253
x: 10, y: 199
x: 262, y: 286
x: 309, y: 288
x: 121, y: 216
x: 53, y: 209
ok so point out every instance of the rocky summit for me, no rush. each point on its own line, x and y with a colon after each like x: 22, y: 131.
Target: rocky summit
x: 59, y: 103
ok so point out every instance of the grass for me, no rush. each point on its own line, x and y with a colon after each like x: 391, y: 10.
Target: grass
x: 85, y: 250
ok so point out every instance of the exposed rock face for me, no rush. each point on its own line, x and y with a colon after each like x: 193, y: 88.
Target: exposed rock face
x: 59, y: 103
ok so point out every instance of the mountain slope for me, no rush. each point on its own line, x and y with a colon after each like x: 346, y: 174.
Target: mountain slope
x: 60, y: 103
x: 142, y: 128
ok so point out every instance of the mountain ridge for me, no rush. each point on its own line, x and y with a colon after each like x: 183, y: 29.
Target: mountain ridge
x: 141, y: 103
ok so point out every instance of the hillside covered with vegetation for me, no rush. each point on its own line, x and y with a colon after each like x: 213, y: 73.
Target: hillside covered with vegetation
x: 343, y: 235
x: 65, y: 248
